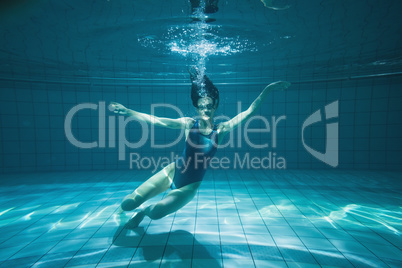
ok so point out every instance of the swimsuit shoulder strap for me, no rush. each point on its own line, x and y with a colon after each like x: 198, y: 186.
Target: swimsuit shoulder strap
x: 196, y: 124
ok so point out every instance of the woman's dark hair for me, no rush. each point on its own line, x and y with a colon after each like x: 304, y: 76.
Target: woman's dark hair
x: 202, y: 89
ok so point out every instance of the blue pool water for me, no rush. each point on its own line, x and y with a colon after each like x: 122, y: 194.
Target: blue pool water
x: 313, y: 179
x: 292, y: 218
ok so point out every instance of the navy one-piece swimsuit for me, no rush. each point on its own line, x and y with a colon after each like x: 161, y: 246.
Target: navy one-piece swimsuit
x: 191, y: 166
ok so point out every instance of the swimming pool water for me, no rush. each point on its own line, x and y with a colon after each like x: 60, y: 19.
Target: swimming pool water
x: 255, y: 218
x: 66, y: 164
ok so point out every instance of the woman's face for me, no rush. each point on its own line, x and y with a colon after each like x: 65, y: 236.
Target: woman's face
x: 206, y: 108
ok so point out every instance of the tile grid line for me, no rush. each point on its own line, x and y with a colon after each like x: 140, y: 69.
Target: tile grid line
x: 80, y: 223
x: 285, y: 178
x: 348, y: 174
x: 346, y: 198
x: 124, y: 226
x: 241, y: 223
x: 88, y: 217
x: 40, y: 219
x: 195, y: 227
x: 170, y: 232
x: 362, y: 223
x: 279, y: 188
x: 217, y: 216
x: 346, y: 231
x: 139, y: 243
x: 254, y: 178
x: 45, y: 232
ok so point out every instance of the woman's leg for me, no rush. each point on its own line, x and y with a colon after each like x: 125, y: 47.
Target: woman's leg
x: 173, y: 201
x: 155, y: 185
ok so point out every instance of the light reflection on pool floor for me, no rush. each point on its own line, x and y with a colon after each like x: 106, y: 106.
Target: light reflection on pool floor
x: 239, y: 218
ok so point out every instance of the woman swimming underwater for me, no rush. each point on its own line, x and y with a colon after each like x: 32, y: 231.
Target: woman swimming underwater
x: 202, y: 139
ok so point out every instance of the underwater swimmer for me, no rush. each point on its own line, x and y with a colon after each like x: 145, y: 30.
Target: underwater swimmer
x: 185, y: 175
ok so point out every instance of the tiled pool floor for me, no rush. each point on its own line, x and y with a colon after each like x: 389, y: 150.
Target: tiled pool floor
x: 292, y: 218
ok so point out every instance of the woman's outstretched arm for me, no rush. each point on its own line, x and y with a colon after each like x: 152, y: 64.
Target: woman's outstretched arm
x: 243, y: 116
x: 179, y: 123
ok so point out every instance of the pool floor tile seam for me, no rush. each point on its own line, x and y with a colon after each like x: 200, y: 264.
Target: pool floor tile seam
x: 239, y: 222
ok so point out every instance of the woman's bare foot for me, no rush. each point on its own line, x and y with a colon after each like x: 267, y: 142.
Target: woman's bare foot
x: 136, y: 220
x: 119, y: 211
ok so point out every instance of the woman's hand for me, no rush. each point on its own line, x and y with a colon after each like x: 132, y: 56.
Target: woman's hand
x: 117, y: 108
x: 280, y: 85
